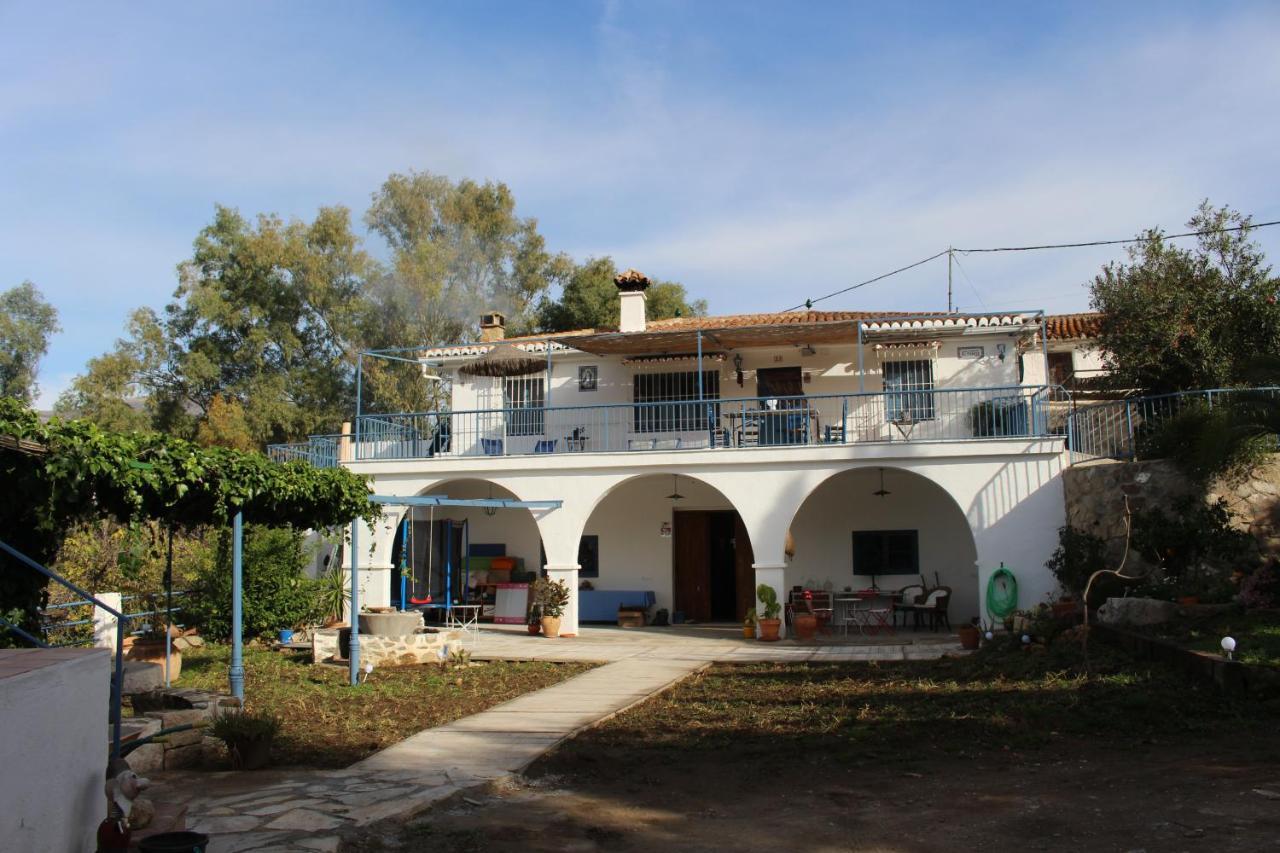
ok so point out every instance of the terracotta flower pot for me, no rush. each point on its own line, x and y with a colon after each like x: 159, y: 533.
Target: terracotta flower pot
x: 535, y: 628
x: 151, y: 650
x: 748, y: 632
x: 551, y: 626
x: 805, y: 625
x: 969, y: 636
x: 1062, y: 609
x: 769, y: 630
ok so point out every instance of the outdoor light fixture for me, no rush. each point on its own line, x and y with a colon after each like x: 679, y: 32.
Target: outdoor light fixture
x: 368, y: 671
x: 737, y: 367
x: 491, y: 511
x: 1229, y: 646
x: 882, y: 491
x: 675, y: 491
x: 1001, y: 349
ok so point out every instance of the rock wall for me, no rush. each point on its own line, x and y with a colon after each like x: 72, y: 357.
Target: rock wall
x: 1095, y: 494
x: 380, y: 650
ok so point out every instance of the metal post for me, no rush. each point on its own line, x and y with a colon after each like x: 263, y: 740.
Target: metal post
x: 354, y: 653
x: 117, y: 685
x: 1128, y: 419
x: 168, y: 606
x: 862, y: 385
x: 950, y: 256
x: 404, y: 556
x: 235, y: 674
x: 546, y: 402
x: 699, y: 365
x: 1044, y: 347
x: 359, y: 390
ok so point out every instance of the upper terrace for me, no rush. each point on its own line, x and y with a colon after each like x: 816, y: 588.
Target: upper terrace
x: 733, y: 383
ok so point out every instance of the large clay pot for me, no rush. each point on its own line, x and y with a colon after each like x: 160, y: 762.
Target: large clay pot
x: 551, y: 626
x: 151, y: 650
x: 535, y: 628
x: 250, y: 754
x: 769, y: 630
x: 969, y: 636
x: 805, y: 625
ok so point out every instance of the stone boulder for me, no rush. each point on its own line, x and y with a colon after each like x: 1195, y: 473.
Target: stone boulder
x: 1118, y: 612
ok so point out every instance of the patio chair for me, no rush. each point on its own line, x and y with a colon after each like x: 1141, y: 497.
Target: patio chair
x: 822, y: 606
x: 912, y: 594
x: 491, y: 446
x: 546, y: 445
x: 934, y: 607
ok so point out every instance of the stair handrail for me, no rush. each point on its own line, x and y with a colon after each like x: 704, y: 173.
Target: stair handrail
x: 117, y: 680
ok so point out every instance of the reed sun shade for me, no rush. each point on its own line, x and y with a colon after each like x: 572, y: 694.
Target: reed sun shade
x: 504, y: 359
x: 685, y: 341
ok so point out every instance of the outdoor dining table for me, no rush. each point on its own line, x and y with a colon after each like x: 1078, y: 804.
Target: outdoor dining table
x: 868, y: 620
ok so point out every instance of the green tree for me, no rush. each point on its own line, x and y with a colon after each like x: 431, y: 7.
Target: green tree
x: 589, y: 300
x: 457, y: 251
x: 1178, y: 318
x: 26, y: 323
x: 128, y: 388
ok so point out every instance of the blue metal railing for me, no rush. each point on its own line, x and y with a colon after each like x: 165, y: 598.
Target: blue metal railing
x: 122, y: 621
x: 76, y: 623
x: 1113, y: 429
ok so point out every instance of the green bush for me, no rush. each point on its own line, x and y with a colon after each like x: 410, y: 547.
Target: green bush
x: 1079, y: 554
x: 1196, y: 547
x: 276, y: 593
x: 1231, y: 438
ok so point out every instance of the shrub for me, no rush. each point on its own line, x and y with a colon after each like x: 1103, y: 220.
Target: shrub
x: 241, y: 726
x: 276, y: 594
x: 1261, y: 589
x: 1079, y: 554
x: 1230, y: 438
x: 550, y: 597
x: 1196, y: 547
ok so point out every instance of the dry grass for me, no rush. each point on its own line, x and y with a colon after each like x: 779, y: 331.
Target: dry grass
x: 328, y: 723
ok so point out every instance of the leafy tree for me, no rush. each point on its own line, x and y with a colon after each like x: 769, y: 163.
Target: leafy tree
x: 1176, y: 319
x: 589, y: 300
x: 225, y: 425
x: 26, y: 322
x: 457, y: 251
x: 128, y: 388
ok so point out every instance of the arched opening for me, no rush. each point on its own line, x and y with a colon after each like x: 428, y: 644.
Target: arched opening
x: 691, y: 552
x: 460, y: 553
x: 888, y: 527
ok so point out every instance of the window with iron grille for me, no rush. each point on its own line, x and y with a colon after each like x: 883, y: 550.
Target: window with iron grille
x: 672, y: 388
x: 908, y: 389
x: 525, y: 399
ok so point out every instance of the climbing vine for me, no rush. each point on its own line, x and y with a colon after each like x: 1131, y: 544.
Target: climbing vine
x: 59, y: 472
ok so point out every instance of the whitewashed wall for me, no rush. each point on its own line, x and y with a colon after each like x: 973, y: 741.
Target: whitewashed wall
x: 54, y: 751
x: 823, y: 533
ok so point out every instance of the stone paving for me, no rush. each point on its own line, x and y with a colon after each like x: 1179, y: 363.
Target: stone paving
x: 310, y: 810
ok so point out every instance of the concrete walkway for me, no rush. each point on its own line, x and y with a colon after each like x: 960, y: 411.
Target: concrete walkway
x: 298, y: 811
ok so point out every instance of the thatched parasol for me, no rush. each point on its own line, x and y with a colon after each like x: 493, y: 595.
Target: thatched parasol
x: 504, y: 359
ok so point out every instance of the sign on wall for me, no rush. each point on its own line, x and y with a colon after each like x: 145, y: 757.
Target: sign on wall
x: 588, y: 375
x: 665, y: 530
x: 971, y: 352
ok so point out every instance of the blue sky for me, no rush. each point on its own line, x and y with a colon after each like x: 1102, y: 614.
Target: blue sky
x: 757, y: 152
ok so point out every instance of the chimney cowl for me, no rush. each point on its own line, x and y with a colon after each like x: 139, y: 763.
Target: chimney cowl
x: 493, y: 326
x: 631, y: 281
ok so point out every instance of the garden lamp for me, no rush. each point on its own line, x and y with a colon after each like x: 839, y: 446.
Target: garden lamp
x: 1229, y: 646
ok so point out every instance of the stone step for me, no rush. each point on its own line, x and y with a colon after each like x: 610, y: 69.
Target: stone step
x: 170, y: 817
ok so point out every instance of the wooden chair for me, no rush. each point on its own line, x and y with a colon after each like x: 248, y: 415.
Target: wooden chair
x: 934, y: 607
x: 492, y: 446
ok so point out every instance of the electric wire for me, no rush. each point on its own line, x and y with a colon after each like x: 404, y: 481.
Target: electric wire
x: 1153, y: 235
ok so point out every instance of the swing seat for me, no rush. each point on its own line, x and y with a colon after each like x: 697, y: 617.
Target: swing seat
x: 418, y: 602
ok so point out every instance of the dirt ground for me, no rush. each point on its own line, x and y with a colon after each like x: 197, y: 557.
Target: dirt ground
x: 1067, y: 798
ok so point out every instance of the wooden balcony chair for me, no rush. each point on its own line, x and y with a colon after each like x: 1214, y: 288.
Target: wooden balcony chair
x: 546, y: 445
x: 491, y: 446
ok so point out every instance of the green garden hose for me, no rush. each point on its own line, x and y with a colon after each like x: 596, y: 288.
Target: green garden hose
x: 1002, y: 593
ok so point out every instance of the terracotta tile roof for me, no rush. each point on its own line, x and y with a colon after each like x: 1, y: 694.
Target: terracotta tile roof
x: 1058, y: 326
x: 1066, y: 327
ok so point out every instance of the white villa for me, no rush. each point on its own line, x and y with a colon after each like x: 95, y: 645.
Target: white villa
x: 684, y: 461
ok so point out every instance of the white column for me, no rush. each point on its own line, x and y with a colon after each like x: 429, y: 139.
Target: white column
x: 104, y: 624
x: 568, y: 573
x: 774, y: 575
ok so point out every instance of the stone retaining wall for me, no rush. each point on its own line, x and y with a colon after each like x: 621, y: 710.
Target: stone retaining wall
x: 162, y: 709
x: 421, y: 647
x: 1095, y: 494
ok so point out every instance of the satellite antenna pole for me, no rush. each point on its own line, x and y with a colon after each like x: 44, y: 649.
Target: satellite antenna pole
x: 950, y: 253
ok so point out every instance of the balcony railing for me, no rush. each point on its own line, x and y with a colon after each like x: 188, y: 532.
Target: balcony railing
x: 964, y: 414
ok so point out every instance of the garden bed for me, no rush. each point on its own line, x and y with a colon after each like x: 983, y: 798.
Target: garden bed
x: 328, y: 723
x: 1256, y: 632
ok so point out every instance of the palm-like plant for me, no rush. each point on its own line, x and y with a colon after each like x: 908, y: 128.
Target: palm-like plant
x: 333, y: 594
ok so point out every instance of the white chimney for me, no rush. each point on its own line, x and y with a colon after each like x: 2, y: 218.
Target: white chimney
x: 631, y: 287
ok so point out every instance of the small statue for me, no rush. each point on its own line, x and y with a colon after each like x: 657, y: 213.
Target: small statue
x: 122, y: 788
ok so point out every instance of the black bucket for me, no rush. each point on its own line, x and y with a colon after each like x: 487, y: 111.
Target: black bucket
x: 175, y: 842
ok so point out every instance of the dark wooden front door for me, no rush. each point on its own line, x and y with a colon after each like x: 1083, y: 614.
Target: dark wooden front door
x: 712, y: 565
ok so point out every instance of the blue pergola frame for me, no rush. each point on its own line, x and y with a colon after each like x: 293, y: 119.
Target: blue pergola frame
x: 235, y: 673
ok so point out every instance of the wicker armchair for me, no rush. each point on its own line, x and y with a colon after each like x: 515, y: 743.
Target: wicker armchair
x: 912, y: 594
x: 934, y: 607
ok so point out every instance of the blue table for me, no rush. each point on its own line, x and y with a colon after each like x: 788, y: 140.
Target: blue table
x: 601, y: 605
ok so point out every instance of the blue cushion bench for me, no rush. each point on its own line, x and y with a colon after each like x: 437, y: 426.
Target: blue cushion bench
x: 601, y: 605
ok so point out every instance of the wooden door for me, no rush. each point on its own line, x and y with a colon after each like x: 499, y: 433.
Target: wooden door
x: 690, y: 563
x: 744, y: 563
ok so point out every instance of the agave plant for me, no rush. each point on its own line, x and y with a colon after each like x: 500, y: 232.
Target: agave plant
x: 333, y: 594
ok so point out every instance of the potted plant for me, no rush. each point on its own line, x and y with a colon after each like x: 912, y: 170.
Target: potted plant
x: 769, y: 623
x: 149, y: 647
x: 248, y: 737
x: 970, y: 635
x: 534, y: 620
x: 551, y: 597
x: 333, y: 595
x: 749, y: 624
x: 805, y: 622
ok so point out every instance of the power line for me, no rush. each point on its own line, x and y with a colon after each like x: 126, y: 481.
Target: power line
x: 1157, y: 236
x: 809, y: 303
